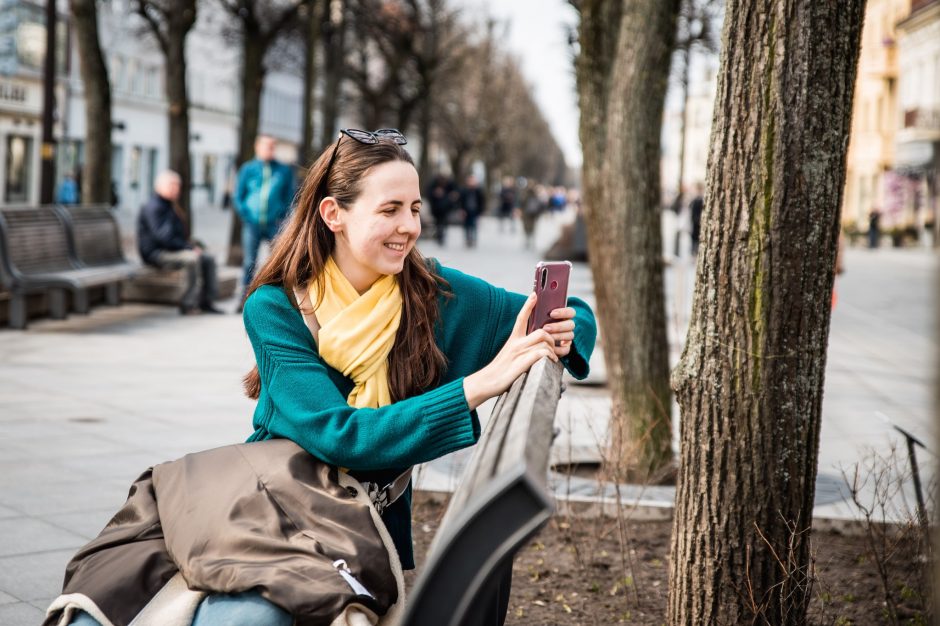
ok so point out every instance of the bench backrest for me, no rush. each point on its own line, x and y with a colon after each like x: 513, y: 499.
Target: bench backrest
x: 502, y: 501
x: 34, y: 241
x: 96, y: 237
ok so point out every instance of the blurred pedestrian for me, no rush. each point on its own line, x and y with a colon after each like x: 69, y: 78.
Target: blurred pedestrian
x: 264, y: 192
x: 440, y: 194
x: 534, y: 202
x: 695, y: 216
x: 557, y: 200
x: 840, y: 268
x: 507, y: 204
x: 473, y: 205
x: 67, y: 193
x: 874, y: 229
x: 164, y: 241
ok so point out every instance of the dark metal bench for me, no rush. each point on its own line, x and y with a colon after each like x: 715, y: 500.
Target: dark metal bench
x: 95, y: 238
x: 36, y: 255
x: 502, y: 501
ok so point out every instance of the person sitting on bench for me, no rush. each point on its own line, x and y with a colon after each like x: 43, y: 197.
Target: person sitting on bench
x: 163, y: 241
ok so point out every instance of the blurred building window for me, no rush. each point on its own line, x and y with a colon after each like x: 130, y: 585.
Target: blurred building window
x: 117, y: 72
x: 151, y: 174
x: 208, y: 175
x: 133, y: 167
x: 117, y: 167
x: 18, y: 168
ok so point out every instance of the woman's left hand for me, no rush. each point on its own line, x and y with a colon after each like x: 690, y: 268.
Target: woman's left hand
x: 562, y: 330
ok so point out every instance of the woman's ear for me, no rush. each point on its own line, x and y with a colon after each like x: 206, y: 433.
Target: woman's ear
x: 331, y: 214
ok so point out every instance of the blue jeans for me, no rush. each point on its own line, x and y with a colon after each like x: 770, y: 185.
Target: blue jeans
x: 252, y: 236
x: 220, y: 609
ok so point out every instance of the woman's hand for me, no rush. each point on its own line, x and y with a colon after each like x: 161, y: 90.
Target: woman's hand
x: 519, y: 353
x: 561, y: 330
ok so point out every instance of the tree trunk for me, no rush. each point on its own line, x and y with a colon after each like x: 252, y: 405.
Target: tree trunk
x: 622, y: 73
x: 684, y: 85
x: 96, y: 173
x: 334, y: 44
x: 178, y: 110
x: 424, y: 132
x: 254, y: 49
x: 751, y: 378
x: 313, y: 30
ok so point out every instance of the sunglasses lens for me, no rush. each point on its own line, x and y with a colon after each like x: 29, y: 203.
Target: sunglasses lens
x: 392, y: 135
x: 362, y: 136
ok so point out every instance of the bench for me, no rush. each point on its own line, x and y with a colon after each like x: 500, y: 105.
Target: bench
x: 166, y: 286
x: 502, y: 501
x: 37, y: 255
x: 96, y: 238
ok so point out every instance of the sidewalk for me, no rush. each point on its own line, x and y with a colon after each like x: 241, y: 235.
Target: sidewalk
x: 86, y: 404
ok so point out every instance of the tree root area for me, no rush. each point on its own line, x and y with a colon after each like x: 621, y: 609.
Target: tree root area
x: 607, y: 571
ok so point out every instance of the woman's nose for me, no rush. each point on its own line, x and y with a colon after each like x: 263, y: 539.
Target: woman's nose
x: 409, y: 224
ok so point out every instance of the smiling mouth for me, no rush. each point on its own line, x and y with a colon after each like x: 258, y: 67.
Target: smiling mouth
x: 397, y: 247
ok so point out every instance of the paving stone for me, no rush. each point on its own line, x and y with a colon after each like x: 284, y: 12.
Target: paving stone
x: 23, y: 535
x: 21, y: 614
x: 34, y: 576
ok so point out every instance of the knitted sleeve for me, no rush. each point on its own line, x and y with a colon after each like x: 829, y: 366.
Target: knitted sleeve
x: 305, y: 406
x: 503, y: 306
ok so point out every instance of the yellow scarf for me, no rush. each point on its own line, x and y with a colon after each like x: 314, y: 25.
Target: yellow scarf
x: 357, y: 332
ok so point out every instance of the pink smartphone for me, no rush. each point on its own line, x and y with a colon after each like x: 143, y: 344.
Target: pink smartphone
x: 551, y: 286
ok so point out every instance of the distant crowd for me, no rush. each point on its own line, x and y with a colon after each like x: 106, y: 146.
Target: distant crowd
x: 518, y: 198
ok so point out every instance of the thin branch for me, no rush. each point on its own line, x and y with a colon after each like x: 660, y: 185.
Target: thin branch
x: 141, y: 9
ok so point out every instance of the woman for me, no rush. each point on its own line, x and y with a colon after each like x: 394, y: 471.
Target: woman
x: 370, y: 357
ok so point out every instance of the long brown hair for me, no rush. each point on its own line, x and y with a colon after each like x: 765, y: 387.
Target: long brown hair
x: 301, y: 249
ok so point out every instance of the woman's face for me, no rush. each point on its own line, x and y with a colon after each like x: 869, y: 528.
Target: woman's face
x: 377, y: 232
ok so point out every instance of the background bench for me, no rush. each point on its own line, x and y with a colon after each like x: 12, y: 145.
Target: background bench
x: 37, y: 255
x: 502, y: 501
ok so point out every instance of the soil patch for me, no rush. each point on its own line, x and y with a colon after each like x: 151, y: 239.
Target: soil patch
x: 575, y: 572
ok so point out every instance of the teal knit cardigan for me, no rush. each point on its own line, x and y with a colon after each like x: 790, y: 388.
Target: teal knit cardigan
x: 304, y: 399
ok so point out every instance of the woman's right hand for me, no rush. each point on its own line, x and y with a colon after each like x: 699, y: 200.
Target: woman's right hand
x: 518, y: 354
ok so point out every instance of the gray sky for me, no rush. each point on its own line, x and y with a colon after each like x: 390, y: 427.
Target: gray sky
x: 537, y: 35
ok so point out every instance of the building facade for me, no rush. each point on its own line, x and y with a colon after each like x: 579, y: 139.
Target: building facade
x: 917, y: 165
x: 875, y: 118
x: 139, y: 108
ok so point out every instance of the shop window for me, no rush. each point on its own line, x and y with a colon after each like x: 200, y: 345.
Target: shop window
x: 18, y: 169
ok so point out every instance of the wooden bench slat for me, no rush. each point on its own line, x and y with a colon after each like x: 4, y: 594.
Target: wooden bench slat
x: 502, y: 501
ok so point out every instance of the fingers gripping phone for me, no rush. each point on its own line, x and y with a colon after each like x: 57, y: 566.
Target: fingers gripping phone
x: 551, y: 287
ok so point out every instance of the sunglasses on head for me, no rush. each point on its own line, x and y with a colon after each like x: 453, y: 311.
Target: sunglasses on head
x: 362, y: 136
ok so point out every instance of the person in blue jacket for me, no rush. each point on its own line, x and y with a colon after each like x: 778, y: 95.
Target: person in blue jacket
x: 264, y: 192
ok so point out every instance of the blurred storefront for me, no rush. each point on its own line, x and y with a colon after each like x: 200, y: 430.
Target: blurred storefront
x: 917, y: 162
x: 139, y: 115
x: 22, y: 50
x: 875, y: 117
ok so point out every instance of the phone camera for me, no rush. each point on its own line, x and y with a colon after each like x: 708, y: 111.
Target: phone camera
x: 544, y: 277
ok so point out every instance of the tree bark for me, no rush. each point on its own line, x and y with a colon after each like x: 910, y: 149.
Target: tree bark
x: 684, y: 86
x: 622, y: 74
x: 750, y: 380
x: 253, y: 51
x: 334, y: 45
x: 96, y: 172
x: 424, y: 132
x: 178, y: 110
x: 170, y: 23
x: 314, y: 17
